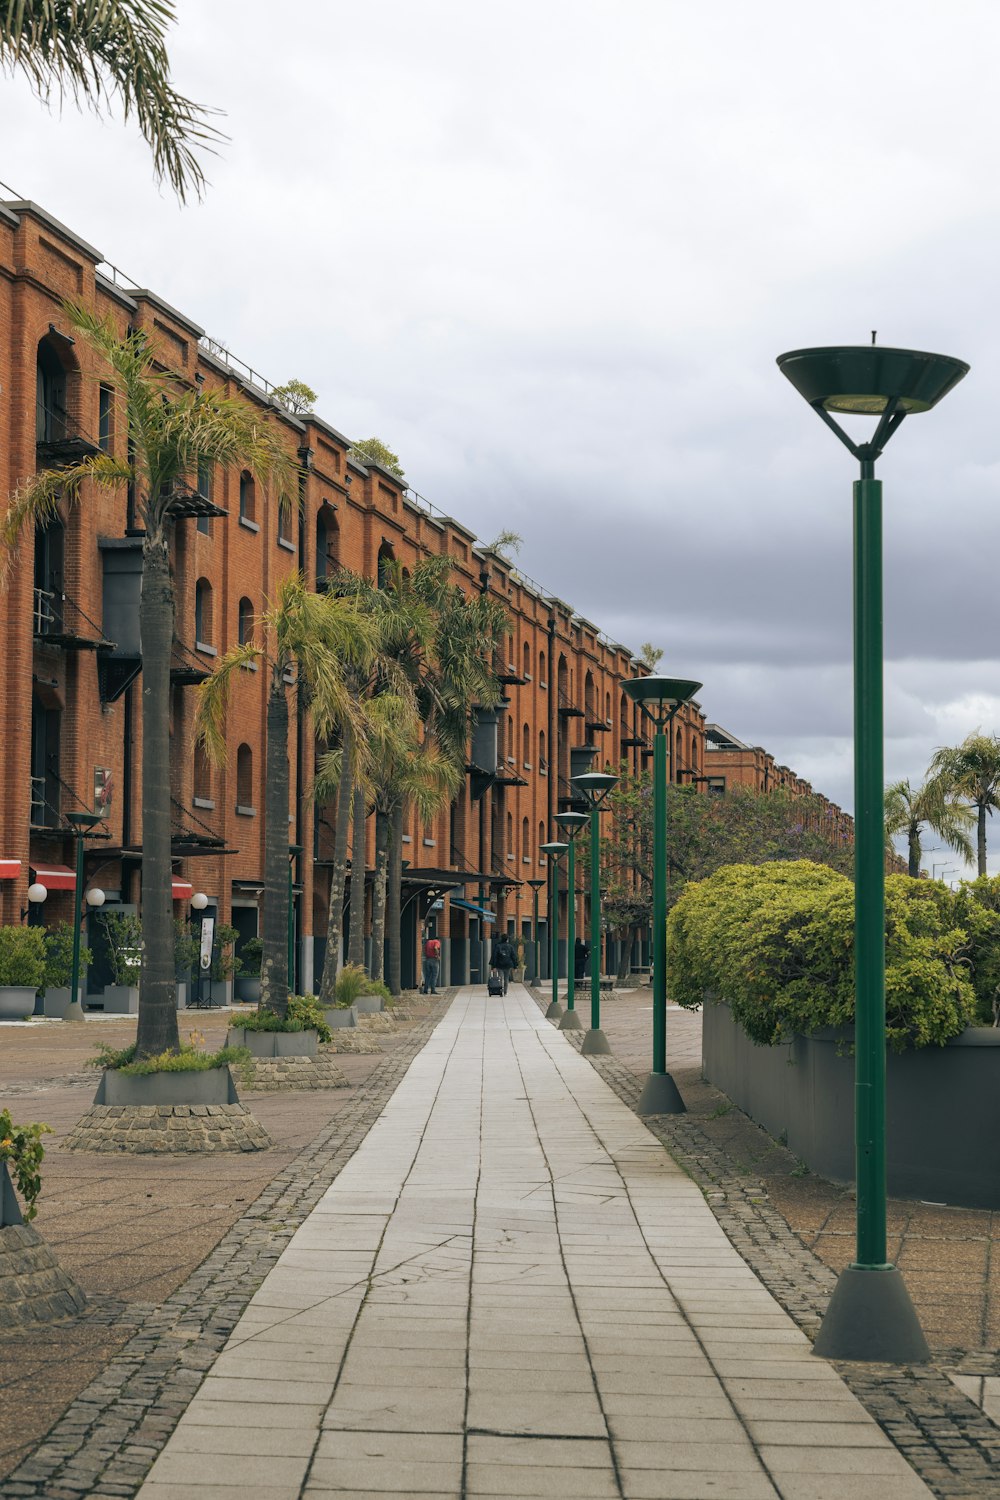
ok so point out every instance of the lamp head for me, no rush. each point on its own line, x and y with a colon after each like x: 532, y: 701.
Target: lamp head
x: 37, y: 893
x: 595, y: 785
x: 553, y: 851
x: 660, y: 697
x: 572, y: 822
x: 866, y: 379
x: 95, y: 896
x: 199, y: 901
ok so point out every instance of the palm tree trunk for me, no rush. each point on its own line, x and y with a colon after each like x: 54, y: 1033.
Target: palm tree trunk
x: 981, y: 837
x: 157, y: 1021
x: 394, y: 902
x: 356, y: 940
x: 335, y: 916
x: 379, y: 893
x: 274, y: 928
x: 913, y: 844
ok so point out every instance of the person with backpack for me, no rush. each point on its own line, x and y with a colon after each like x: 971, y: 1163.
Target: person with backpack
x: 504, y: 959
x: 432, y: 963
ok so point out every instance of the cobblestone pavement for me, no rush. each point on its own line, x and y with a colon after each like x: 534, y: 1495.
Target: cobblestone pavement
x: 938, y: 1415
x: 511, y: 1289
x: 132, y: 1230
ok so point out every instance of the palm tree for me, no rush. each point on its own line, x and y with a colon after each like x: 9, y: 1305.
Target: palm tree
x: 171, y: 430
x: 311, y: 640
x: 973, y: 768
x: 908, y: 808
x: 96, y: 49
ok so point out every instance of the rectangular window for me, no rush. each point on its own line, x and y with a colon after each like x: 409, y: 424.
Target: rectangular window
x: 105, y: 412
x: 205, y: 488
x: 285, y: 526
x: 716, y: 786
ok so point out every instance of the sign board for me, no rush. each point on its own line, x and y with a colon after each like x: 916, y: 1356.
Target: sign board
x: 103, y: 790
x: 207, y: 941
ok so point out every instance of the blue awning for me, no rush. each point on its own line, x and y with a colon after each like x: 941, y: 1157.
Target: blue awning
x: 478, y: 911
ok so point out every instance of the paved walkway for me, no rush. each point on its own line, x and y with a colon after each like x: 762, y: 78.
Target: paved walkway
x: 512, y: 1290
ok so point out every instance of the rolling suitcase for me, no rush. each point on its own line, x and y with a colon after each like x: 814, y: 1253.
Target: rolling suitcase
x: 494, y: 985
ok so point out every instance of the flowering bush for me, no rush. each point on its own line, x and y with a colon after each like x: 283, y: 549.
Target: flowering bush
x: 22, y: 1150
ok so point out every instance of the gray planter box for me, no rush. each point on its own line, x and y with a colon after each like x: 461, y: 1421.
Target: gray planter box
x: 337, y: 1017
x: 17, y: 1001
x: 117, y: 999
x: 369, y: 1005
x: 246, y: 987
x: 274, y: 1043
x: 942, y: 1105
x: 55, y: 1002
x: 208, y: 1086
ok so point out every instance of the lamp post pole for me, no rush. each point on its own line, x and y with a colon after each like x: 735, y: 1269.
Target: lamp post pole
x: 870, y: 1316
x: 536, y: 886
x: 82, y: 824
x: 293, y: 851
x: 661, y: 699
x: 595, y: 787
x: 553, y: 853
x: 571, y: 823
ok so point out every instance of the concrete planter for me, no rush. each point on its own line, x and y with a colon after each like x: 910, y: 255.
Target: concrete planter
x: 246, y: 987
x: 205, y: 1086
x: 369, y: 1005
x: 337, y: 1017
x: 274, y: 1043
x: 117, y: 999
x: 55, y: 1002
x: 17, y: 1002
x: 943, y: 1106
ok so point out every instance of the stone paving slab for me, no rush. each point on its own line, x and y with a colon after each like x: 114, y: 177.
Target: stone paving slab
x: 506, y: 1202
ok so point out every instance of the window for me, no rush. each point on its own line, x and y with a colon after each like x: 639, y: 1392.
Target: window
x: 541, y: 841
x: 527, y: 661
x: 203, y: 613
x: 205, y: 488
x: 510, y: 738
x: 525, y: 842
x: 327, y: 546
x: 385, y: 561
x: 51, y: 414
x: 248, y: 500
x: 541, y: 669
x: 245, y: 622
x: 543, y: 765
x: 510, y: 835
x: 716, y: 786
x: 285, y: 532
x: 244, y: 781
x: 526, y: 746
x: 105, y: 418
x: 202, y: 778
x: 678, y: 756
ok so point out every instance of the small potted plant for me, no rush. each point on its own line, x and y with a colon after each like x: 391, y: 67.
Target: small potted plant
x: 246, y: 984
x: 185, y: 958
x: 123, y: 930
x: 225, y: 964
x: 22, y: 970
x: 59, y: 969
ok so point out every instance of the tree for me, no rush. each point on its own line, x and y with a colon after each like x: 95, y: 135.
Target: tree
x: 908, y: 808
x: 318, y: 637
x: 295, y: 396
x: 93, y: 50
x: 373, y: 450
x: 505, y: 542
x: 171, y: 430
x: 973, y: 769
x: 650, y: 655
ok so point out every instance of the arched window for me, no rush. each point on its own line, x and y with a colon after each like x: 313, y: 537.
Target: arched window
x: 589, y: 704
x: 386, y: 557
x: 202, y: 778
x: 678, y: 754
x: 511, y: 657
x: 543, y: 764
x: 525, y: 842
x: 526, y: 744
x: 327, y: 545
x: 527, y: 661
x: 248, y: 498
x: 245, y: 622
x: 607, y: 708
x: 203, y: 613
x: 510, y: 835
x: 510, y: 738
x: 541, y: 841
x: 51, y: 402
x: 244, y: 779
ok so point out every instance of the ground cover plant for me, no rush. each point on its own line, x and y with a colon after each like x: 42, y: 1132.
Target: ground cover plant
x: 21, y: 1150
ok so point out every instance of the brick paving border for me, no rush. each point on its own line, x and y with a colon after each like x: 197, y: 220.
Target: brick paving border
x: 948, y: 1440
x: 105, y: 1442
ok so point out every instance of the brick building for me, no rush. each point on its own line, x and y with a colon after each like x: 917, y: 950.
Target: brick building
x: 71, y: 687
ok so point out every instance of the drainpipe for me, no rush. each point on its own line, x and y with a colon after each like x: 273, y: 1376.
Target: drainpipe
x: 305, y: 456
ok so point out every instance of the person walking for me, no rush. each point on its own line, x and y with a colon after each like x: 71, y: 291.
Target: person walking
x: 432, y: 962
x: 504, y: 958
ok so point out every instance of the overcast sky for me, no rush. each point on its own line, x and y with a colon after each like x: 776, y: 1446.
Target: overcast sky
x: 549, y: 252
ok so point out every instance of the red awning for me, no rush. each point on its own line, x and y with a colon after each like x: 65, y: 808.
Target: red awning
x: 10, y: 869
x: 180, y: 890
x: 54, y: 877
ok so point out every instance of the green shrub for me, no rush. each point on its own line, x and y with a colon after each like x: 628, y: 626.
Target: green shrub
x: 304, y: 1014
x: 352, y: 981
x: 22, y: 957
x: 776, y: 943
x: 124, y: 933
x: 22, y: 1150
x: 186, y: 947
x: 978, y: 907
x: 188, y: 1059
x: 59, y: 957
x: 250, y: 956
x: 225, y: 964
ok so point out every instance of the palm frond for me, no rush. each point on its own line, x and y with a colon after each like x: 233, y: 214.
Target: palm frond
x: 212, y: 700
x: 37, y: 499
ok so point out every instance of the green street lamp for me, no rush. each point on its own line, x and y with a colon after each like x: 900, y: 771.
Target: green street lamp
x: 661, y: 699
x: 553, y: 853
x: 82, y: 823
x: 571, y: 823
x: 536, y: 886
x: 870, y: 1316
x: 293, y: 851
x: 594, y: 786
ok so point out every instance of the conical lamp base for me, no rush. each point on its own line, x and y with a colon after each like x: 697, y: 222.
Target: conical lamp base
x: 571, y: 1022
x: 73, y: 1011
x: 594, y: 1042
x: 871, y: 1317
x: 554, y: 1012
x: 660, y: 1096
